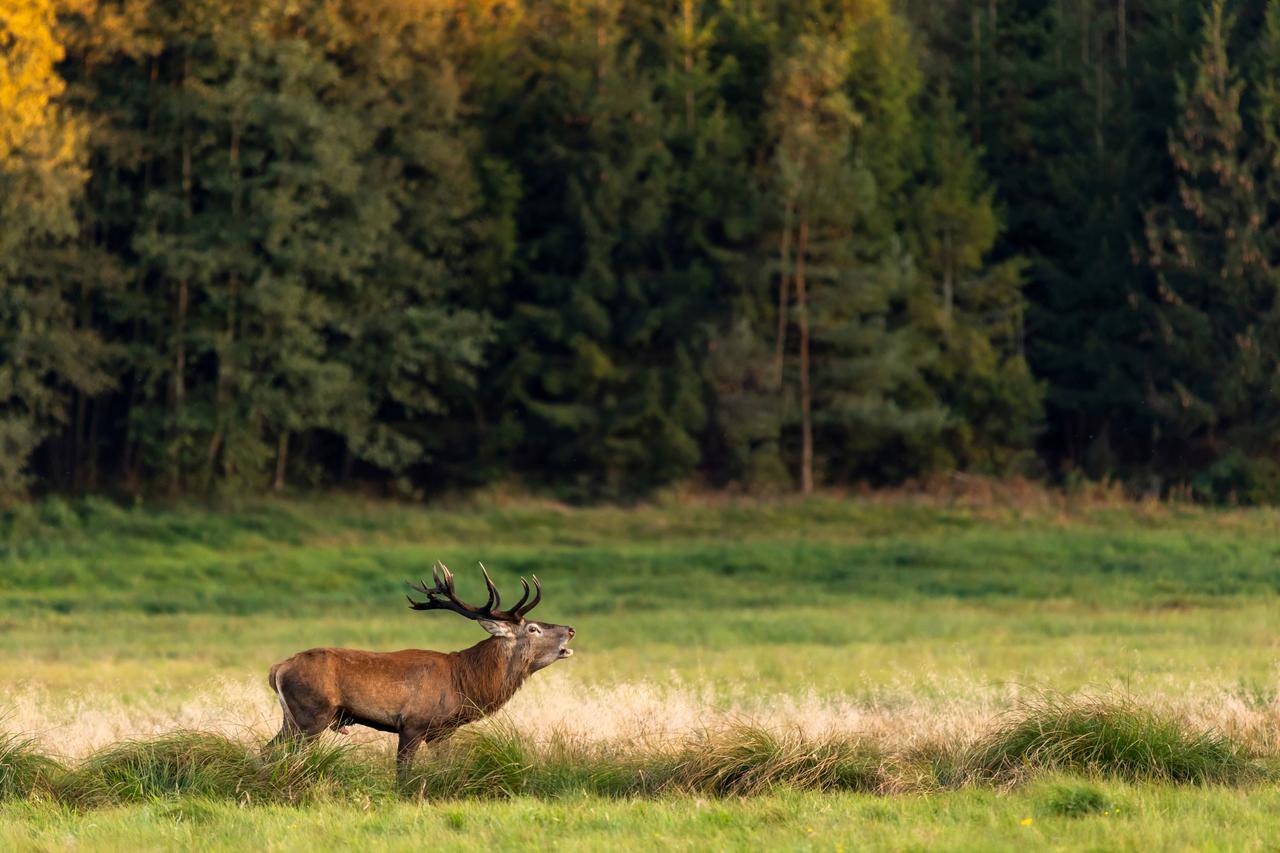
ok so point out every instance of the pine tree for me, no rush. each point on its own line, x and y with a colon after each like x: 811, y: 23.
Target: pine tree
x: 1216, y: 283
x: 816, y: 181
x: 980, y: 373
x: 844, y: 146
x: 598, y: 389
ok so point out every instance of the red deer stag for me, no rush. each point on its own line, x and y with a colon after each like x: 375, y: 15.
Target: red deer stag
x: 420, y: 695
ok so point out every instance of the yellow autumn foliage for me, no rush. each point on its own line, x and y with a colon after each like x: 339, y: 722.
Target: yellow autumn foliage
x: 41, y: 143
x: 32, y: 125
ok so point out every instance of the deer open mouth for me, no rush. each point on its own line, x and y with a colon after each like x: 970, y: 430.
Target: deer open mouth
x: 565, y: 651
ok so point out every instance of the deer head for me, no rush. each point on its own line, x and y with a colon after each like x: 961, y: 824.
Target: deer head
x: 533, y: 644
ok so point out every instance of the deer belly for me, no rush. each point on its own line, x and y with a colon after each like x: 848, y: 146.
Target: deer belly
x: 347, y: 718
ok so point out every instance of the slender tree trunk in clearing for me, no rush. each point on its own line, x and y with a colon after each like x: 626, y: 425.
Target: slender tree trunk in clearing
x: 184, y: 297
x: 228, y: 336
x: 948, y: 279
x: 282, y: 459
x: 783, y: 288
x: 806, y: 419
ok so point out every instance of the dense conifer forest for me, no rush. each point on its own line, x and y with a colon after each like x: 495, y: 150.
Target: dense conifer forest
x: 600, y: 247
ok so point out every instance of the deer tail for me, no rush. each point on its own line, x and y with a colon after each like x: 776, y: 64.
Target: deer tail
x: 273, y: 678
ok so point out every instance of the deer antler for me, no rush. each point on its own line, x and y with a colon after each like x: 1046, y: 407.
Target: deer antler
x: 520, y: 609
x: 443, y: 597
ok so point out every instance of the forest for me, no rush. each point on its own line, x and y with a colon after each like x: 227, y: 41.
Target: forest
x: 600, y: 247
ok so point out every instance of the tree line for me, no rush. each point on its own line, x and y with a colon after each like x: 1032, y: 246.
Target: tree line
x: 601, y: 246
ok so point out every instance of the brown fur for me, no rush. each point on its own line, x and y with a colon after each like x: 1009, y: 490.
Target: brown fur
x: 420, y: 695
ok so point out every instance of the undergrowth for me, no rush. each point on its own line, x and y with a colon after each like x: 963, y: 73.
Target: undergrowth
x: 1102, y: 738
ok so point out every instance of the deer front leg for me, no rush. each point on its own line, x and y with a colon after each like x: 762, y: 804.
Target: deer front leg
x: 410, y: 740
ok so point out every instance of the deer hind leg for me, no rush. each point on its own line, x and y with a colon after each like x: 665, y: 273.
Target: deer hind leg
x: 306, y: 715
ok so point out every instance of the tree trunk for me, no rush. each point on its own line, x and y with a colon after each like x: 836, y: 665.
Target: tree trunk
x: 223, y: 395
x: 802, y: 310
x: 282, y: 460
x: 1122, y: 36
x: 783, y: 288
x: 180, y: 318
x: 179, y: 388
x: 689, y: 112
x: 975, y: 109
x: 948, y: 279
x: 91, y: 473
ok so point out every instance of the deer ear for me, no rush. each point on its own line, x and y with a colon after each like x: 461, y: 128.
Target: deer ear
x: 498, y: 629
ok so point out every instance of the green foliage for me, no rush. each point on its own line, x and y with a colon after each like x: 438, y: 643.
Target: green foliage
x: 335, y: 241
x: 604, y: 247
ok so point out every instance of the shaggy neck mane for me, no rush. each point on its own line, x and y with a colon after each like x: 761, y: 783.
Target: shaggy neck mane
x: 490, y: 672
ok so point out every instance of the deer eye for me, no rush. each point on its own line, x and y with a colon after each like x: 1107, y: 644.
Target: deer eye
x: 534, y: 629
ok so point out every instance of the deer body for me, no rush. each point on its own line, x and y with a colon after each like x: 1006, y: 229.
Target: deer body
x: 420, y: 695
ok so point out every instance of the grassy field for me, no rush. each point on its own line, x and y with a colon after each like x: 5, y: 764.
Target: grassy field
x: 862, y: 672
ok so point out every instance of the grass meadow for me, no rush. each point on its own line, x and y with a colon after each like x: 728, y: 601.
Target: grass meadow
x: 964, y: 671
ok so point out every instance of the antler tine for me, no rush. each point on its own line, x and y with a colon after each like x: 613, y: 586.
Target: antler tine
x: 521, y: 611
x: 524, y: 583
x: 495, y: 600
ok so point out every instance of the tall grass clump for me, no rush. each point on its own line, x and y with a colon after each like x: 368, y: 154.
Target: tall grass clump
x: 747, y: 760
x: 733, y: 761
x: 494, y: 761
x: 196, y: 764
x: 1106, y: 737
x: 25, y: 772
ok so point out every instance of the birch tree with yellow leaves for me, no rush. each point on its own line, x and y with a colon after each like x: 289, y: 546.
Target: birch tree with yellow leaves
x: 44, y: 357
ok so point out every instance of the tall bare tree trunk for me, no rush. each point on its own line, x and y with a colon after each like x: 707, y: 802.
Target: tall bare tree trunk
x: 802, y: 309
x: 225, y: 366
x: 179, y: 388
x: 975, y: 109
x: 688, y: 22
x: 128, y: 459
x: 1122, y: 36
x: 282, y: 461
x: 948, y: 279
x: 784, y: 286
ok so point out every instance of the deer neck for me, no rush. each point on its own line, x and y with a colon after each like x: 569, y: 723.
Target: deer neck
x: 490, y: 672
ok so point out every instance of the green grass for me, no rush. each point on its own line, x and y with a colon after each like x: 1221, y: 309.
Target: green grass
x: 1148, y: 817
x: 1103, y: 611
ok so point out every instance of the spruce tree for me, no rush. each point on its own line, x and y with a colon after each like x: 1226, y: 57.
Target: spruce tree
x: 595, y: 366
x: 1216, y: 283
x: 973, y: 307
